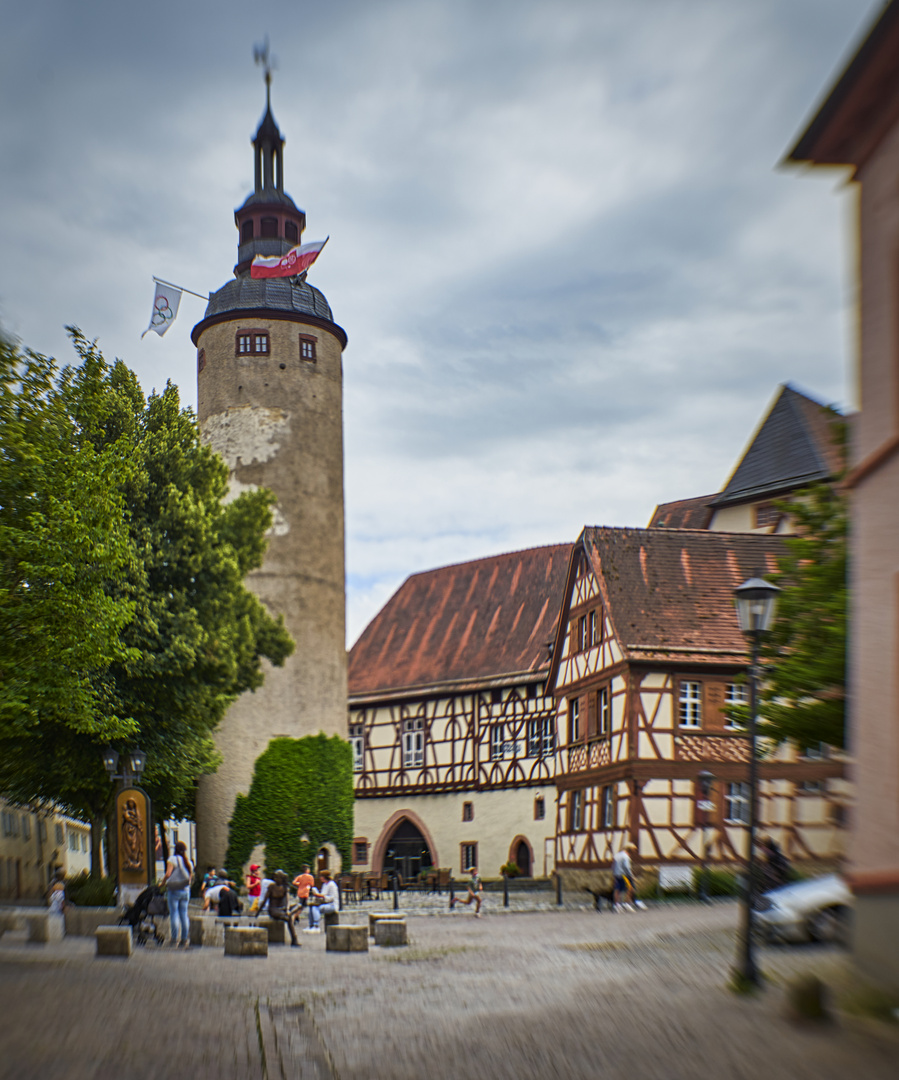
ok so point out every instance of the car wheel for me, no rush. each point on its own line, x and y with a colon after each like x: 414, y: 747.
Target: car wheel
x: 831, y: 925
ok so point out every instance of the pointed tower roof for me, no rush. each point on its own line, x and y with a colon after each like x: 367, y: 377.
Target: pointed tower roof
x: 797, y: 444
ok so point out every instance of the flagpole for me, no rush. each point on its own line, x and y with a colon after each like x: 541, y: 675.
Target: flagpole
x: 172, y: 285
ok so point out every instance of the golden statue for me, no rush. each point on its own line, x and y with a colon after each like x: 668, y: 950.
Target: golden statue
x: 132, y: 837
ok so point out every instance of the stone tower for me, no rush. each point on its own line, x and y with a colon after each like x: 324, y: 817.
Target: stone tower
x: 270, y: 397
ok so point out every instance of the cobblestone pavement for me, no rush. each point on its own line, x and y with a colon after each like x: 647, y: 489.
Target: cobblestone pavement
x: 556, y: 994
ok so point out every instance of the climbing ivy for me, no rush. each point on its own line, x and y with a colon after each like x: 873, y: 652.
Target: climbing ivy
x: 300, y: 787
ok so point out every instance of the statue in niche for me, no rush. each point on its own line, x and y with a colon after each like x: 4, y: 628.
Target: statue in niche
x: 132, y: 837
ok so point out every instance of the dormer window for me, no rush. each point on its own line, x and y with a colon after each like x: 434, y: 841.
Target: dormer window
x: 252, y: 343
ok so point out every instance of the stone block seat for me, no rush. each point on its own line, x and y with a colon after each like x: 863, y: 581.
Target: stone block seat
x: 376, y: 916
x: 113, y: 940
x: 275, y: 928
x: 44, y: 927
x: 11, y: 920
x: 246, y: 941
x: 347, y: 939
x: 390, y: 932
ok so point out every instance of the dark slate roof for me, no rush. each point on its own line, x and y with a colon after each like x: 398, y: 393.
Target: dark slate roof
x: 475, y: 621
x: 277, y: 295
x: 670, y: 592
x: 269, y: 195
x: 796, y: 445
x: 683, y: 514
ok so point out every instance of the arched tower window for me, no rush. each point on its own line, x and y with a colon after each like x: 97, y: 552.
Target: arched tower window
x: 291, y: 232
x: 269, y: 227
x: 246, y: 232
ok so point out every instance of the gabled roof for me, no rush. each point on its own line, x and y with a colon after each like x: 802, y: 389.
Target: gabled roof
x: 476, y: 621
x: 683, y: 514
x: 863, y: 104
x: 797, y: 444
x: 669, y: 593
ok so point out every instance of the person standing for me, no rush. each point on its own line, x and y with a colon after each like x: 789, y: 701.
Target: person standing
x: 475, y: 893
x: 623, y: 881
x: 178, y: 871
x: 303, y: 882
x: 253, y: 883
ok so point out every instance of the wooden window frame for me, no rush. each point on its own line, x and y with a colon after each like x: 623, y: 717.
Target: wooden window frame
x: 604, y: 711
x: 689, y: 707
x: 357, y: 742
x: 731, y: 698
x: 414, y: 747
x: 539, y: 808
x: 253, y: 336
x: 607, y: 806
x: 497, y: 741
x: 468, y: 811
x: 308, y: 352
x: 576, y: 810
x: 467, y: 861
x: 736, y: 793
x: 574, y: 720
x: 360, y: 842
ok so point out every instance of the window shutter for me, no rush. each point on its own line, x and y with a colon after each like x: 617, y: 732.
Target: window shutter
x: 591, y: 714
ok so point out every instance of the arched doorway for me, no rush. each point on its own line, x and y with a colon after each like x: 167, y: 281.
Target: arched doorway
x: 521, y: 854
x: 407, y: 851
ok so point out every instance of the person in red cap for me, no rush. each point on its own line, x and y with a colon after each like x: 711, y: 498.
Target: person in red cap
x: 253, y: 883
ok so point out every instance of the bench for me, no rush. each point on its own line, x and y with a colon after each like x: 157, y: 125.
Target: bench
x: 113, y: 940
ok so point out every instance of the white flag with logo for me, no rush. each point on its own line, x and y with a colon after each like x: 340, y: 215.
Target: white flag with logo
x: 165, y: 308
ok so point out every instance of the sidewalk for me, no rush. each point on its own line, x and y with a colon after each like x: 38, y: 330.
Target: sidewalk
x: 561, y: 995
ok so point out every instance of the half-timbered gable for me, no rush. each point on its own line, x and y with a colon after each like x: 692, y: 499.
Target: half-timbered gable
x: 454, y: 734
x: 640, y: 720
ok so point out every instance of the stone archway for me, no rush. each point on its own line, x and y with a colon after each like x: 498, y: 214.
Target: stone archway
x: 408, y: 829
x: 522, y: 854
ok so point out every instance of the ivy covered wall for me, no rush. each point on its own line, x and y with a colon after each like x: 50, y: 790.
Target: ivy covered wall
x: 300, y: 787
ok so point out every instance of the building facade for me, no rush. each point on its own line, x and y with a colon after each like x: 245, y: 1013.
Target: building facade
x: 34, y: 843
x: 647, y: 660
x: 857, y: 129
x: 270, y: 392
x: 453, y: 731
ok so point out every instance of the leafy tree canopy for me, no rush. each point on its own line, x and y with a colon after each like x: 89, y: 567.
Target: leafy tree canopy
x: 167, y: 561
x: 804, y: 694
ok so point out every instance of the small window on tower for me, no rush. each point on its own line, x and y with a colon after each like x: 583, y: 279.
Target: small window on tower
x: 201, y: 360
x: 307, y: 348
x: 269, y: 227
x: 252, y: 343
x: 246, y: 232
x: 467, y: 811
x: 291, y: 232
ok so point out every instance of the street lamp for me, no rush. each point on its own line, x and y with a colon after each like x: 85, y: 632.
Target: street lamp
x: 755, y: 601
x: 704, y: 806
x: 133, y: 820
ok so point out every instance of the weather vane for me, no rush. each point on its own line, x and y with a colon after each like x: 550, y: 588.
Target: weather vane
x: 263, y: 56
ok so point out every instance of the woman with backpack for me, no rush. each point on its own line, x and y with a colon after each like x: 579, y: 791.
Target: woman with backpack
x: 178, y: 871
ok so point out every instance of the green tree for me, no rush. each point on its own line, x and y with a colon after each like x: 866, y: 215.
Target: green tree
x: 63, y: 541
x: 195, y: 637
x: 803, y: 693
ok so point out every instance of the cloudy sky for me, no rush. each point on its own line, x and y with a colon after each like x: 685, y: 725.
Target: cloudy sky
x: 570, y: 270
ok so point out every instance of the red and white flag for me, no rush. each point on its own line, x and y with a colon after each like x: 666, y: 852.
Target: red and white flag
x: 296, y: 261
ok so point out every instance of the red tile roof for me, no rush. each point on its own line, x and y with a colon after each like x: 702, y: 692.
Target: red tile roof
x: 670, y: 591
x: 475, y: 621
x: 683, y: 514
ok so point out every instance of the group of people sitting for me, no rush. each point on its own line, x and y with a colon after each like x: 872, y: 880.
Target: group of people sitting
x: 272, y: 897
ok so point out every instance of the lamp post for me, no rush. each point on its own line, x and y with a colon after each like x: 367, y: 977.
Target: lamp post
x: 704, y: 806
x: 755, y: 601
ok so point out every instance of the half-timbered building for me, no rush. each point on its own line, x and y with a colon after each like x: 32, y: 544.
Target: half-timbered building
x: 648, y: 655
x: 453, y: 732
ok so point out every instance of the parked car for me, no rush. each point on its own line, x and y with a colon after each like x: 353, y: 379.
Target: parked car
x: 819, y: 909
